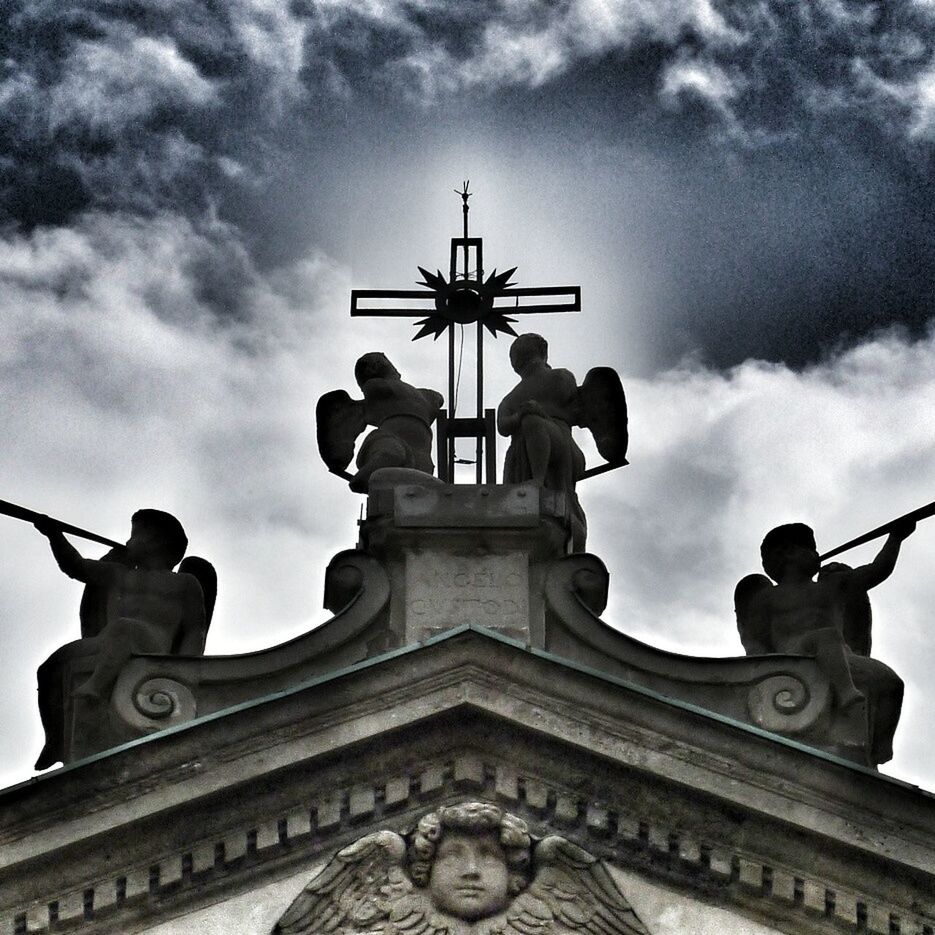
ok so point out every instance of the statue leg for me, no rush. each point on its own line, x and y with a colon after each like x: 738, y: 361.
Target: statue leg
x: 537, y: 439
x: 52, y: 700
x: 833, y: 656
x: 884, y: 690
x: 378, y: 452
x: 118, y: 642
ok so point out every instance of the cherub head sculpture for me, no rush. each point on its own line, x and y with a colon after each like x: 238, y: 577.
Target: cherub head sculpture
x: 472, y: 858
x: 468, y: 869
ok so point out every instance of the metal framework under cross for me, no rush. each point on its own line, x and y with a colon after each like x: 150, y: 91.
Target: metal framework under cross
x: 465, y: 298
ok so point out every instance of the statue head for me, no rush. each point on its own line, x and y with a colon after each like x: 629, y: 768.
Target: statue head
x: 372, y: 366
x: 155, y: 533
x: 473, y: 858
x: 526, y: 349
x: 791, y: 544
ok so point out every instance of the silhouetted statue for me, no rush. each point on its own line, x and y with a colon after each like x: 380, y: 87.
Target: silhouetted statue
x: 403, y: 416
x: 469, y: 869
x: 828, y: 618
x: 133, y: 603
x: 539, y: 412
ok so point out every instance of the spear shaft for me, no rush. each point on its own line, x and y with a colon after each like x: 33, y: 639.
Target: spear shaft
x: 924, y: 512
x: 30, y: 516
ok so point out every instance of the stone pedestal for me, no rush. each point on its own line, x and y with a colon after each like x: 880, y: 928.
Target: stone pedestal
x: 465, y: 555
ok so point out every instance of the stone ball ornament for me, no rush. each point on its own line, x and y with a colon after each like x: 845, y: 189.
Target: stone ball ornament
x: 467, y: 869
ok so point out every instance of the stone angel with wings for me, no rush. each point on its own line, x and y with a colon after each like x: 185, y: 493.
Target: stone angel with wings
x: 468, y: 869
x: 402, y: 415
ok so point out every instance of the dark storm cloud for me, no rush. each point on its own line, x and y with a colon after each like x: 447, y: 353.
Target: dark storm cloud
x: 155, y: 105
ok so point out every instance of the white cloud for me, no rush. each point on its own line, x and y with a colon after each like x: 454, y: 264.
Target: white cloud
x: 114, y: 82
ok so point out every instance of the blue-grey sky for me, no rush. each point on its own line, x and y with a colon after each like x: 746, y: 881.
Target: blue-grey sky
x: 743, y: 190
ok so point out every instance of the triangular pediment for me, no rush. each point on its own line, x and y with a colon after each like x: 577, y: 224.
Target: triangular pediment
x: 688, y: 801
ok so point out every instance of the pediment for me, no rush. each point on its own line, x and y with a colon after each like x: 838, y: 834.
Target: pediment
x: 688, y: 802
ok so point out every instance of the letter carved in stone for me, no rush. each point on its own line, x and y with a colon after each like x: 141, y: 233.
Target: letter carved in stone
x: 467, y: 869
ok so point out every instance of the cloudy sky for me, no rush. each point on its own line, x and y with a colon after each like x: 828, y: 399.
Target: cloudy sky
x: 743, y: 190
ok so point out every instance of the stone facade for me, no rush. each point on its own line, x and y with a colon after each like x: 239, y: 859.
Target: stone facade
x: 223, y: 819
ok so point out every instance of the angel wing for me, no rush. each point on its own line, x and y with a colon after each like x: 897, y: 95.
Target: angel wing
x: 754, y: 634
x: 339, y: 420
x: 572, y: 894
x: 354, y: 893
x: 203, y: 570
x: 603, y: 410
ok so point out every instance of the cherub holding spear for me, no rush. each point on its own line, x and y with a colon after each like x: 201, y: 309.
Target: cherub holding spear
x: 133, y: 603
x: 828, y: 618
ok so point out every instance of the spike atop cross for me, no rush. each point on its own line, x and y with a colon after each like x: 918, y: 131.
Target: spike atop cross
x: 465, y: 298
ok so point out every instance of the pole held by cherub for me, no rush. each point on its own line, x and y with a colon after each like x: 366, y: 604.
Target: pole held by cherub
x: 31, y: 516
x: 914, y: 516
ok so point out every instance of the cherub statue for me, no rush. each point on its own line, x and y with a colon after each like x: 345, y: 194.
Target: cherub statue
x: 469, y: 869
x: 539, y: 412
x: 403, y: 416
x: 133, y: 603
x: 828, y: 618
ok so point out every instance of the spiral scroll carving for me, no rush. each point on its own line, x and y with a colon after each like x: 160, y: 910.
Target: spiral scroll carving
x: 163, y: 699
x: 786, y: 703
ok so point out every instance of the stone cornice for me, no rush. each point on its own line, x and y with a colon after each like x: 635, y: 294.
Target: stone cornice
x: 640, y: 775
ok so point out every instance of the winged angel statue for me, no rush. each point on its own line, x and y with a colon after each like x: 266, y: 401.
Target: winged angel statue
x: 469, y: 869
x: 402, y: 414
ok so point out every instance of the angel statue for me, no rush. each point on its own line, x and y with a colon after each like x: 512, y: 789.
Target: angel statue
x: 133, y: 602
x: 403, y: 416
x: 539, y: 412
x: 828, y: 618
x: 469, y: 869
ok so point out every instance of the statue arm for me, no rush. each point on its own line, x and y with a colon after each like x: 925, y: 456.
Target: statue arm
x: 507, y: 420
x: 877, y: 571
x: 70, y: 560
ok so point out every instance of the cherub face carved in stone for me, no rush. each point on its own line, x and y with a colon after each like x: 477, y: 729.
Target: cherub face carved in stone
x: 467, y: 869
x: 473, y: 858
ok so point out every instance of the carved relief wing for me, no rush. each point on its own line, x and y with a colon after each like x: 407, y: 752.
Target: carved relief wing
x: 754, y: 633
x: 339, y: 420
x: 572, y: 893
x: 354, y: 893
x: 602, y: 408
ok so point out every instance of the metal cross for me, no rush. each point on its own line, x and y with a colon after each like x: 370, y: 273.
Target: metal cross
x: 465, y: 298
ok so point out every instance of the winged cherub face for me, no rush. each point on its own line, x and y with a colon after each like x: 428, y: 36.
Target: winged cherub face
x: 470, y: 877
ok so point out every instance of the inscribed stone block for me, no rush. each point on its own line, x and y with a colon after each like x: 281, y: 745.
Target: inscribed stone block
x: 445, y: 591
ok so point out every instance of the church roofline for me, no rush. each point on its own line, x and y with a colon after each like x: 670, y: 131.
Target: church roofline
x: 446, y: 636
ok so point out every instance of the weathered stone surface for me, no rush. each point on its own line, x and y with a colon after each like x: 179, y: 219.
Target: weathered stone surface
x: 447, y: 591
x: 466, y: 868
x: 665, y: 774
